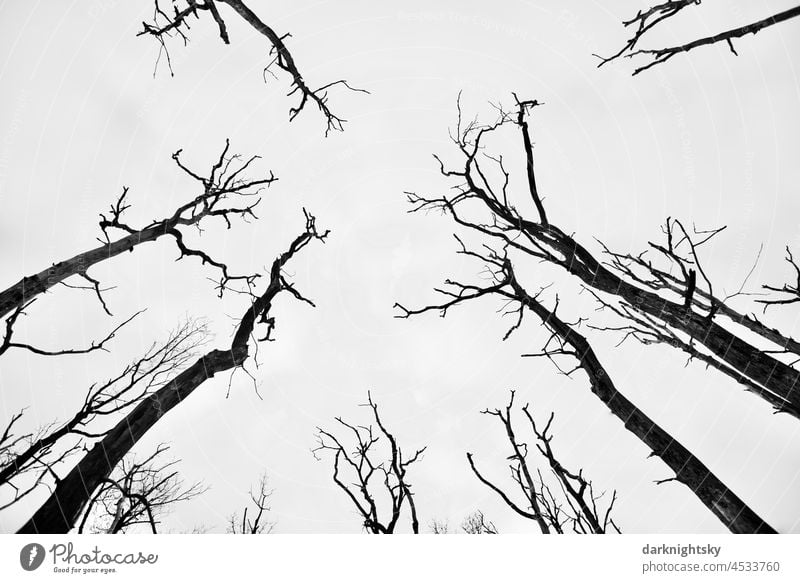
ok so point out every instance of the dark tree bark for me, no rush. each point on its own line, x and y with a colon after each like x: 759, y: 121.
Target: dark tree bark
x: 690, y: 316
x: 689, y: 470
x: 61, y: 510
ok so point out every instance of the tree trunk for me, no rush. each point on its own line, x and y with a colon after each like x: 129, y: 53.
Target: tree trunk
x: 61, y: 511
x: 781, y: 381
x: 29, y: 287
x: 689, y: 470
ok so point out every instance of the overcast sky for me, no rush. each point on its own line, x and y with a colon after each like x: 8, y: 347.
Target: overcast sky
x: 710, y: 138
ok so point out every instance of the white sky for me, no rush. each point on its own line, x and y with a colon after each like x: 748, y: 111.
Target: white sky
x: 709, y: 138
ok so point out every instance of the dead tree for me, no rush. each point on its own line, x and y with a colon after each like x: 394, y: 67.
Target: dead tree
x: 573, y: 505
x: 651, y: 17
x: 28, y: 459
x: 372, y: 472
x: 477, y: 523
x: 61, y: 510
x: 257, y: 523
x: 137, y: 493
x: 676, y: 300
x: 175, y: 24
x: 566, y: 342
x: 224, y: 194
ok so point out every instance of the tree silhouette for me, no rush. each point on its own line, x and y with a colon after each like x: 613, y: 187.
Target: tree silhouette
x: 650, y: 18
x: 372, y: 472
x: 572, y: 505
x: 176, y: 25
x: 224, y: 194
x: 137, y: 493
x: 60, y: 511
x: 671, y: 302
x: 523, y: 240
x: 29, y: 460
x: 257, y: 523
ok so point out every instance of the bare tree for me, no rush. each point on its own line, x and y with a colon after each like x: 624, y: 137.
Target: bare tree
x: 565, y: 342
x: 474, y: 523
x: 61, y: 510
x: 674, y: 303
x: 650, y: 18
x: 437, y: 526
x: 573, y: 504
x: 370, y: 473
x: 28, y: 460
x: 257, y: 523
x: 137, y: 493
x: 477, y: 523
x: 224, y: 194
x: 176, y: 24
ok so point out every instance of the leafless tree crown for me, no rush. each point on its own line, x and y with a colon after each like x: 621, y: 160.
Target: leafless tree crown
x: 259, y: 507
x: 373, y: 471
x: 138, y: 493
x: 664, y: 295
x: 62, y: 509
x: 687, y: 320
x: 571, y: 506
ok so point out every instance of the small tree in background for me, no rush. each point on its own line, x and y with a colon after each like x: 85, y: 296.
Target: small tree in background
x: 137, y: 493
x: 572, y: 505
x: 370, y: 467
x: 258, y: 521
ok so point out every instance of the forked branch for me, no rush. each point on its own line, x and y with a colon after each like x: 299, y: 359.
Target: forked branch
x: 369, y: 466
x: 571, y: 506
x: 646, y: 20
x: 176, y: 24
